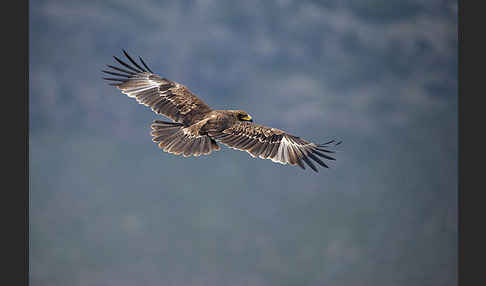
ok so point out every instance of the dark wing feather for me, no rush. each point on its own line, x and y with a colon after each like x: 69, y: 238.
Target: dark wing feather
x: 163, y: 96
x: 273, y: 144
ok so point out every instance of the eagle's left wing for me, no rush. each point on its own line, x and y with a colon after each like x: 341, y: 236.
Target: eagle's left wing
x: 163, y: 96
x: 274, y: 144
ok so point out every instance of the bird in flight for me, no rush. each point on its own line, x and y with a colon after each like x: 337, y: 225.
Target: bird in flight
x: 197, y: 128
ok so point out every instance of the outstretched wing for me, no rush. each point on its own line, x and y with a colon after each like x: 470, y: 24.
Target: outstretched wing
x: 163, y: 96
x: 274, y: 144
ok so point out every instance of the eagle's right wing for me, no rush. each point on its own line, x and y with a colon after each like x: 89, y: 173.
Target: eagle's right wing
x: 163, y: 96
x: 274, y: 144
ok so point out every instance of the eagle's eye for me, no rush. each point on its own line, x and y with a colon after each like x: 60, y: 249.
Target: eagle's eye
x: 245, y: 117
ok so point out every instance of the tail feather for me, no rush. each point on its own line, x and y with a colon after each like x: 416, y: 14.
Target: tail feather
x: 177, y: 139
x: 162, y: 129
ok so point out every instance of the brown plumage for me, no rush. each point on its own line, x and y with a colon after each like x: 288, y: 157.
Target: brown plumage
x: 197, y: 128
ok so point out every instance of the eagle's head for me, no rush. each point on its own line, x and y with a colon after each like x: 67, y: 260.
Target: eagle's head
x: 241, y: 115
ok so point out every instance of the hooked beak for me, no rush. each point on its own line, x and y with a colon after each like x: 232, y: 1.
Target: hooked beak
x: 247, y: 118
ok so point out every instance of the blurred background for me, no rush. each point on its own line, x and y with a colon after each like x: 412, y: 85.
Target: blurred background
x: 107, y: 207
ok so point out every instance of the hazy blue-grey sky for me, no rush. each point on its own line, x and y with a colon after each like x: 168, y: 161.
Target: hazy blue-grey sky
x: 107, y: 207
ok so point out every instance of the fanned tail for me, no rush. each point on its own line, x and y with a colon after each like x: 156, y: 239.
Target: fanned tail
x: 177, y: 139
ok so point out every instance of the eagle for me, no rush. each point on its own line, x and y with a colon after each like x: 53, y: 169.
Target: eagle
x: 196, y: 129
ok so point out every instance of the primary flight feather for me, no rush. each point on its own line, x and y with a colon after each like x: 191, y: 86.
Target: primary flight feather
x: 197, y: 128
